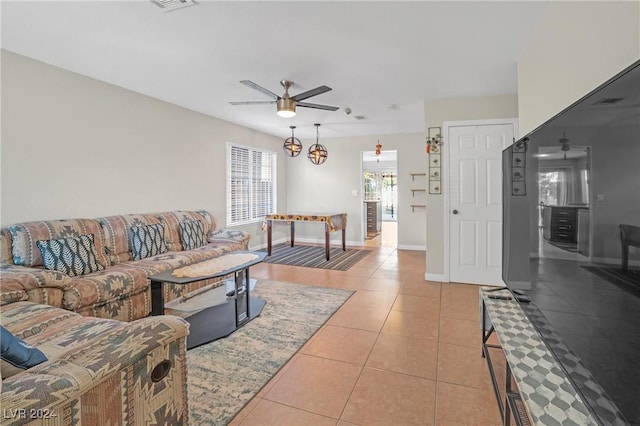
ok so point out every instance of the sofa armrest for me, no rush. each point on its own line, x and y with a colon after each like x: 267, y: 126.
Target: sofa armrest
x: 135, y: 348
x: 33, y: 277
x: 232, y: 235
x: 39, y: 285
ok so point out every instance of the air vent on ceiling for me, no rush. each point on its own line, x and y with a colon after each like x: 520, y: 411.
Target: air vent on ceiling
x: 360, y: 117
x: 169, y: 5
x: 608, y: 101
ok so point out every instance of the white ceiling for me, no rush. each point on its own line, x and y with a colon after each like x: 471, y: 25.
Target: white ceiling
x: 382, y: 59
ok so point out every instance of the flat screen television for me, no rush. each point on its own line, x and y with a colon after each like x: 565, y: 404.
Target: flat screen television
x: 571, y: 241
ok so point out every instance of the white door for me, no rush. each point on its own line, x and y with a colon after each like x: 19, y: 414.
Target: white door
x: 475, y: 201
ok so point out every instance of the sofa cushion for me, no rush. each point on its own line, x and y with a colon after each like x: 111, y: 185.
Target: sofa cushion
x: 192, y: 234
x: 6, y: 255
x: 25, y: 235
x: 72, y: 256
x: 147, y: 241
x: 116, y: 234
x: 16, y: 355
x: 99, y: 288
x: 172, y: 221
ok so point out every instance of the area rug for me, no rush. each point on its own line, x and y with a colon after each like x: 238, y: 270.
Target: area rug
x: 629, y: 282
x: 224, y: 375
x: 315, y: 257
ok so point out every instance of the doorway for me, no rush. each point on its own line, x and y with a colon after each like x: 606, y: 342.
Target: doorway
x: 380, y: 210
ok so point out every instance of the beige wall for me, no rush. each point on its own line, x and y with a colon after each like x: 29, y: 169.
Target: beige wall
x: 575, y: 47
x: 329, y: 187
x: 73, y: 146
x: 436, y: 112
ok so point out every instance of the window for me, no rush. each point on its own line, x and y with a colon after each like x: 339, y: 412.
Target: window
x: 251, y: 184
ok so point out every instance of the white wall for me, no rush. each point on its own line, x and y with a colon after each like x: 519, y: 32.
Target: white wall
x: 328, y: 187
x: 436, y: 112
x: 575, y: 47
x: 73, y: 146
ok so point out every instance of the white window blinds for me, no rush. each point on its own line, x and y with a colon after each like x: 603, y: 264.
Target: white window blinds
x: 251, y: 177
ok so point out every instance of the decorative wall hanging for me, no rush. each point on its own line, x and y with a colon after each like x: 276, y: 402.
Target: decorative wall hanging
x: 292, y: 146
x: 518, y: 167
x: 434, y: 142
x: 378, y: 151
x: 317, y: 153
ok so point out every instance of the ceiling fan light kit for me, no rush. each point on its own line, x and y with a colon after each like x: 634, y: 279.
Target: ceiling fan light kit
x: 292, y: 146
x: 317, y: 153
x: 286, y: 107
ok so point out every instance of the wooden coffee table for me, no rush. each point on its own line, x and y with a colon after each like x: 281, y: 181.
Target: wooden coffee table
x: 217, y: 312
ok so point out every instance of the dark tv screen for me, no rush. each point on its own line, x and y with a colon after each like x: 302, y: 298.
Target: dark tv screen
x: 571, y: 241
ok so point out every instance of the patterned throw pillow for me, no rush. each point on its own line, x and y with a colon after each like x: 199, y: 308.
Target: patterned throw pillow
x: 147, y: 241
x: 72, y: 256
x: 192, y: 234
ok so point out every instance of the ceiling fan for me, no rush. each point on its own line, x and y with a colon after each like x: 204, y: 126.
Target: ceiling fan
x: 286, y: 104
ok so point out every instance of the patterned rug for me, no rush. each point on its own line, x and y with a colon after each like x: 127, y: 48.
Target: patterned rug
x: 630, y: 282
x: 224, y: 375
x: 314, y: 256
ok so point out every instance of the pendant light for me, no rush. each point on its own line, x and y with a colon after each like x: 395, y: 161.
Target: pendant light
x: 378, y: 150
x: 317, y: 153
x: 565, y: 144
x: 292, y: 146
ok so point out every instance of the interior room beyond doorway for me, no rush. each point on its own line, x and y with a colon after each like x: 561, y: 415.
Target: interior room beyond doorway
x: 380, y: 207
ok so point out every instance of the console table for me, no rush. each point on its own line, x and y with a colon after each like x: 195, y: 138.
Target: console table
x: 546, y: 395
x: 216, y: 311
x: 332, y: 222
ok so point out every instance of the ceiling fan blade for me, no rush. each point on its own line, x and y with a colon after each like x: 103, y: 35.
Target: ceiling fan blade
x: 252, y: 102
x: 260, y: 89
x: 313, y: 92
x: 317, y: 106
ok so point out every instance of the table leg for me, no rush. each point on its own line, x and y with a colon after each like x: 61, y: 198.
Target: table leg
x: 344, y: 232
x: 157, y: 298
x: 268, y: 238
x: 293, y: 233
x: 246, y: 288
x: 327, y: 240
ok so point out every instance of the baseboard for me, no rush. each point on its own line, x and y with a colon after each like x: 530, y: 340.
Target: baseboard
x: 436, y: 277
x: 336, y: 242
x: 306, y: 240
x: 264, y: 245
x: 410, y: 247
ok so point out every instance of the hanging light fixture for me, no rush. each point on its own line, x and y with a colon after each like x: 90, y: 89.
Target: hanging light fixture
x: 378, y: 150
x: 317, y: 153
x: 292, y: 146
x: 565, y: 144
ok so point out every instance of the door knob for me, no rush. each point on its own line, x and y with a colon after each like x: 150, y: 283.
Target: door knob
x: 454, y: 211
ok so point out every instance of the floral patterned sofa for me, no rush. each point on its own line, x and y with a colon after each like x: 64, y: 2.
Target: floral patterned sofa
x: 120, y: 289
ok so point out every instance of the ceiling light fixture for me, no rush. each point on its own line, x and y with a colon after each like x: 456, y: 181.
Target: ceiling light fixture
x: 286, y: 107
x: 317, y: 153
x: 565, y: 144
x: 378, y: 150
x: 292, y: 146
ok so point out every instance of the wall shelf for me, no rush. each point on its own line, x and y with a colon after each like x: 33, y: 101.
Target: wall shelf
x: 415, y: 206
x: 413, y: 191
x: 413, y: 175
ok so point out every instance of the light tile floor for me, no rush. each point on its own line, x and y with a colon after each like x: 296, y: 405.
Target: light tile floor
x: 400, y: 351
